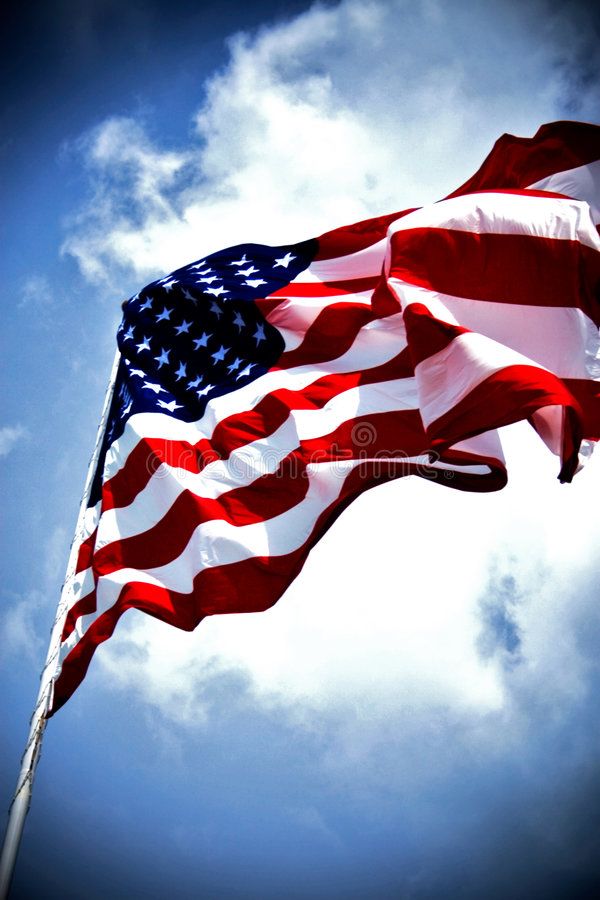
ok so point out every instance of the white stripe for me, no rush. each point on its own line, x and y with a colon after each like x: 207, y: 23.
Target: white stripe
x: 445, y: 378
x: 92, y: 514
x: 549, y: 424
x: 293, y: 317
x: 500, y: 213
x: 361, y: 264
x: 559, y: 338
x: 583, y: 183
x: 487, y: 444
x: 81, y: 585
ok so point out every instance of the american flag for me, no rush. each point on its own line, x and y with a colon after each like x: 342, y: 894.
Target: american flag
x: 261, y: 389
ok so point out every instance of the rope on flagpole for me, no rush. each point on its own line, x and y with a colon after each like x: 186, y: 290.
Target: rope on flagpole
x: 21, y: 800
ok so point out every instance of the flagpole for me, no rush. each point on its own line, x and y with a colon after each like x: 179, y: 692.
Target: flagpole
x: 22, y: 797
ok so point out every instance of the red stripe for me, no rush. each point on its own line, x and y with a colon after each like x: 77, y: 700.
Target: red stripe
x: 507, y: 396
x: 388, y: 435
x: 516, y: 162
x: 330, y: 335
x: 426, y: 334
x: 84, y: 607
x: 524, y: 192
x: 86, y: 552
x: 502, y: 268
x: 587, y: 394
x: 351, y: 238
x: 144, y: 461
x: 267, y: 304
x: 466, y: 481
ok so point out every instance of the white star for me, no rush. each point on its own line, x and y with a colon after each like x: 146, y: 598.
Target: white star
x: 137, y: 372
x: 234, y: 365
x: 147, y: 304
x: 165, y: 314
x: 189, y: 296
x: 284, y: 261
x: 181, y: 373
x: 126, y: 409
x: 202, y: 341
x: 205, y: 390
x: 244, y: 372
x: 193, y: 384
x: 214, y: 307
x: 207, y: 280
x: 145, y: 345
x: 254, y: 282
x: 216, y: 291
x: 128, y: 336
x: 245, y: 272
x: 239, y: 262
x: 162, y: 280
x: 172, y: 405
x: 219, y: 356
x: 183, y: 328
x: 136, y: 298
x: 163, y: 359
x: 168, y: 285
x: 259, y: 334
x: 239, y: 321
x: 198, y: 265
x: 153, y: 387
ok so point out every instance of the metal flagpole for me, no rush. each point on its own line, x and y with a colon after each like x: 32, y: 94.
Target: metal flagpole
x: 22, y: 796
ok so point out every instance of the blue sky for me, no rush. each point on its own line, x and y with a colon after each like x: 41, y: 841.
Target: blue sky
x: 417, y: 717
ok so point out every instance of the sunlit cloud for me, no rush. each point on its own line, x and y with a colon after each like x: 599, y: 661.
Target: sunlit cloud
x: 343, y: 112
x: 10, y: 435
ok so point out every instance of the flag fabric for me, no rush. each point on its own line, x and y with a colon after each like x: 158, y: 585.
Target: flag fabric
x: 261, y: 389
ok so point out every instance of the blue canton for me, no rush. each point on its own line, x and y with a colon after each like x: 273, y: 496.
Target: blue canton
x: 196, y: 334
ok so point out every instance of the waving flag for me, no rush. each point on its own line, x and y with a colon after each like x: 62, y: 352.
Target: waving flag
x: 261, y: 389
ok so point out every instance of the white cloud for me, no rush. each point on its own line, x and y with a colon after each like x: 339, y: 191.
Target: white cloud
x: 10, y: 435
x: 20, y: 627
x: 26, y: 619
x: 344, y: 112
x: 36, y: 294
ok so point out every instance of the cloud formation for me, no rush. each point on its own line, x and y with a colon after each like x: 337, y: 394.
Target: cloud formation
x: 10, y: 435
x: 343, y: 112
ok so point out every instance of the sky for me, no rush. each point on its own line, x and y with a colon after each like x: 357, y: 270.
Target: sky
x: 417, y: 717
